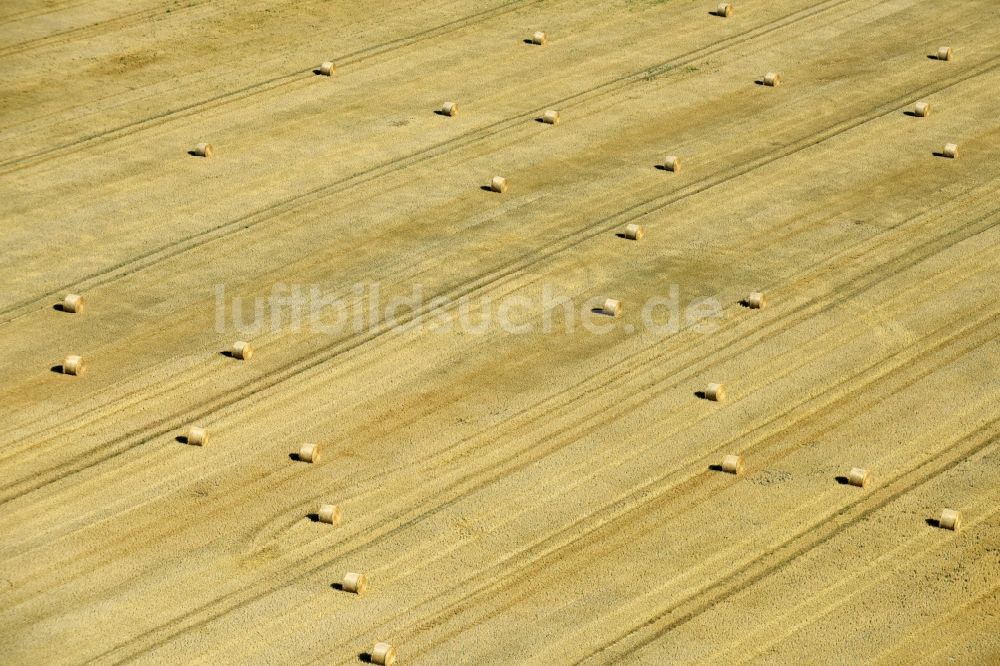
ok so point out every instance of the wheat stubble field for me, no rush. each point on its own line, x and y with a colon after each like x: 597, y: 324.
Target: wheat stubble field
x: 542, y: 496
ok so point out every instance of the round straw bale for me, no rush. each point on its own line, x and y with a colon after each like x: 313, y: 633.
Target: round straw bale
x: 551, y: 117
x: 73, y: 365
x: 772, y: 79
x: 725, y: 9
x: 498, y: 184
x: 242, y: 350
x: 950, y: 150
x: 716, y: 392
x: 634, y: 232
x: 539, y: 38
x: 922, y: 109
x: 449, y: 109
x: 330, y: 513
x: 733, y: 464
x: 73, y: 303
x: 672, y: 163
x: 197, y: 436
x: 858, y: 477
x: 951, y: 520
x: 383, y: 654
x: 611, y: 307
x: 945, y: 53
x: 204, y: 150
x: 309, y: 453
x: 355, y: 582
x: 756, y: 300
x: 328, y: 69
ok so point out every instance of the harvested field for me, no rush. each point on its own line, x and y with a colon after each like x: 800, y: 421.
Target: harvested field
x: 508, y: 474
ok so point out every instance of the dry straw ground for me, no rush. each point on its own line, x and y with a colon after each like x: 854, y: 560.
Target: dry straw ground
x: 538, y: 498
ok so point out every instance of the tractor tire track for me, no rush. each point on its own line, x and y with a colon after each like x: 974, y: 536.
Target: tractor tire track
x: 460, y: 489
x: 493, y: 279
x: 330, y: 189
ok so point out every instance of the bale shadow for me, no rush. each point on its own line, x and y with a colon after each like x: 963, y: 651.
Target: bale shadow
x: 193, y: 153
x: 933, y: 522
x: 486, y: 188
x: 317, y: 72
x: 700, y: 395
x: 842, y: 480
x: 910, y: 114
x: 938, y: 153
x: 181, y: 438
x: 743, y: 303
x: 57, y: 368
x: 314, y: 517
x: 621, y: 235
x: 528, y: 41
x: 662, y: 167
x: 365, y: 657
x: 294, y: 456
x: 441, y: 112
x: 933, y: 56
x: 715, y: 468
x: 59, y: 307
x: 760, y: 82
x: 228, y: 354
x: 337, y: 586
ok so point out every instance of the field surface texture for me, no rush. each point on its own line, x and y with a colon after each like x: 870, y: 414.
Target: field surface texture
x: 523, y: 478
